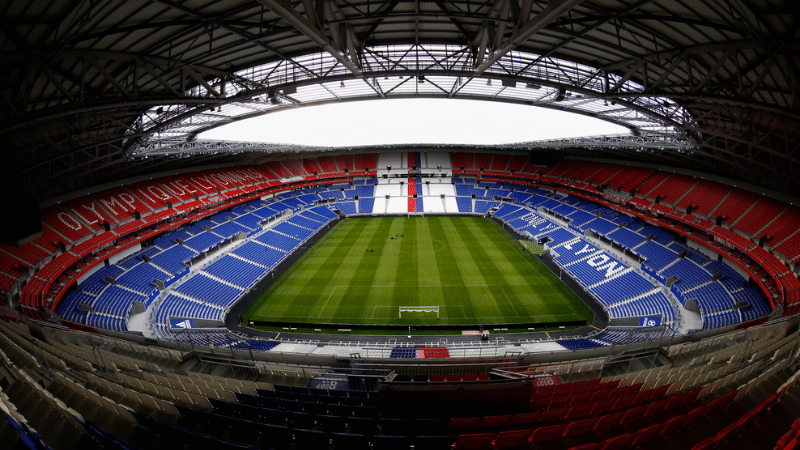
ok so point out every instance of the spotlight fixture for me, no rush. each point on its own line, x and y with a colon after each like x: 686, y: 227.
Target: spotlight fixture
x: 341, y: 84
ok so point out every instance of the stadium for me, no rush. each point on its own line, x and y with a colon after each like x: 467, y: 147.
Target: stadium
x: 163, y: 288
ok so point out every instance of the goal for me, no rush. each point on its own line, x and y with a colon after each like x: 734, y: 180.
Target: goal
x: 418, y: 309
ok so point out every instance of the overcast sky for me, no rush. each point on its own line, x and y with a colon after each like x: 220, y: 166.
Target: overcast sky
x: 412, y: 121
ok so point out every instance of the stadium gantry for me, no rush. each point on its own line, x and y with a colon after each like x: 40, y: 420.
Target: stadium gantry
x: 132, y: 249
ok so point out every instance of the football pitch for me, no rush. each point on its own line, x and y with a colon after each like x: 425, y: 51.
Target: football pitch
x: 467, y: 266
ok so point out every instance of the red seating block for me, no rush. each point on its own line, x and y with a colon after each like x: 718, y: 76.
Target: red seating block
x: 483, y: 160
x: 479, y: 441
x: 65, y: 223
x: 547, y: 433
x: 500, y: 162
x: 460, y: 423
x: 327, y: 164
x: 312, y: 166
x: 526, y: 418
x: 512, y: 439
x: 618, y: 442
x: 496, y: 421
x: 579, y: 427
x: 652, y: 182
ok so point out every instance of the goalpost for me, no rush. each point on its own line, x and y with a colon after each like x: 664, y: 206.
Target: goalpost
x: 418, y: 309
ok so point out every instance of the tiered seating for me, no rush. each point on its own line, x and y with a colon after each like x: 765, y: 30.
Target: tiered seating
x: 203, y: 288
x: 626, y: 286
x: 629, y: 178
x: 174, y: 260
x: 657, y: 255
x: 672, y: 188
x: 327, y: 164
x: 482, y: 207
x: 705, y: 196
x: 595, y: 269
x: 278, y: 241
x: 348, y: 208
x: 688, y: 274
x: 365, y: 162
x: 236, y: 271
x: 305, y: 223
x: 259, y: 254
x: 168, y: 240
x: 65, y: 223
x: 141, y: 278
x: 652, y: 305
x: 345, y: 162
x: 734, y: 206
x: 230, y: 229
x: 94, y: 284
x: 500, y: 162
x: 199, y: 227
x: 404, y: 352
x: 294, y: 231
x: 465, y: 160
x: 712, y: 298
x: 765, y: 210
x: 464, y: 204
x: 181, y: 307
x: 654, y: 180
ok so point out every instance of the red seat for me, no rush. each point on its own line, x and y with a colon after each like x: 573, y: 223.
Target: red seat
x: 659, y: 393
x: 437, y: 377
x: 559, y: 402
x: 512, y: 439
x: 642, y: 398
x: 705, y: 444
x: 600, y: 396
x: 461, y: 423
x: 526, y: 418
x: 579, y: 427
x: 579, y: 412
x: 675, y: 401
x: 632, y: 415
x: 495, y: 421
x: 483, y: 377
x: 672, y: 425
x: 470, y: 377
x: 539, y: 404
x: 580, y: 399
x: 623, y: 402
x: 481, y: 441
x: 725, y: 434
x: 647, y: 434
x: 727, y: 399
x: 712, y: 407
x: 655, y: 408
x: 548, y: 433
x: 608, y: 421
x: 618, y: 442
x: 694, y: 414
x: 554, y: 415
x: 692, y: 395
x: 603, y: 407
x: 618, y: 392
x: 453, y: 377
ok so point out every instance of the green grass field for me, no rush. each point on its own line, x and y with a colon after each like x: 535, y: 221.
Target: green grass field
x: 468, y: 266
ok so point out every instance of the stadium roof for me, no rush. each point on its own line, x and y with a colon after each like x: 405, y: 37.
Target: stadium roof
x: 90, y: 87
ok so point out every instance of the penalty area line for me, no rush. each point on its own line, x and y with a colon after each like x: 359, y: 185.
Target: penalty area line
x: 326, y: 301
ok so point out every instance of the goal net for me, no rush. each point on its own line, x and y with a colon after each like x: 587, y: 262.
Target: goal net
x: 420, y: 312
